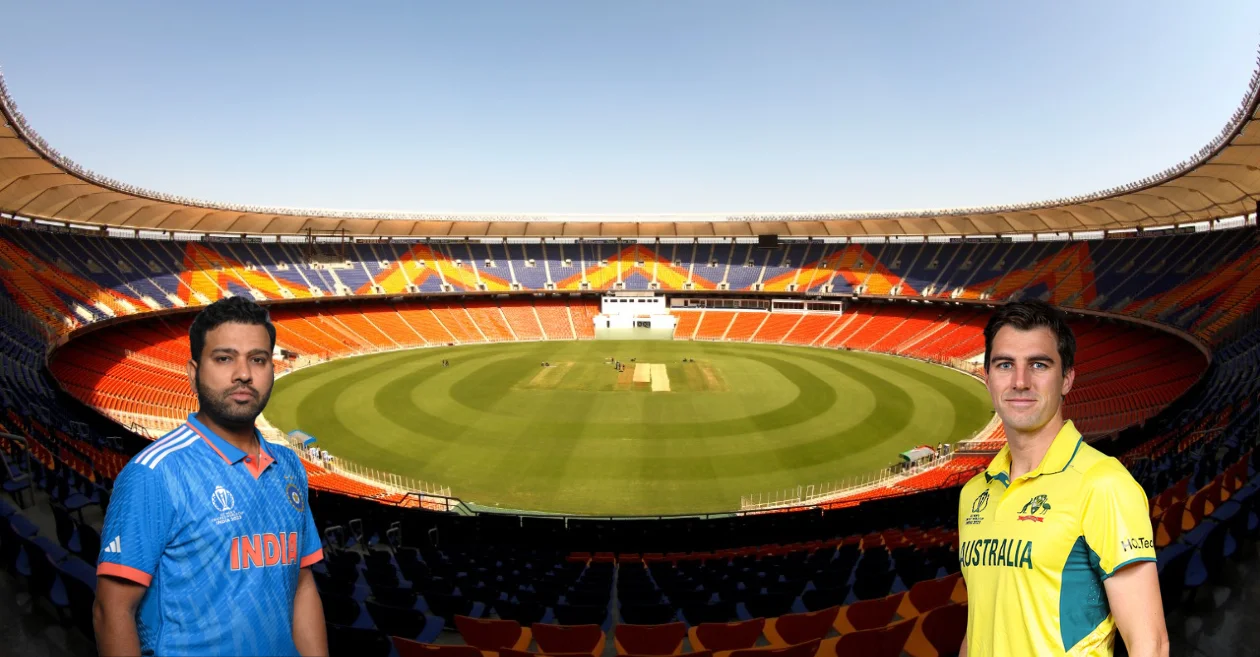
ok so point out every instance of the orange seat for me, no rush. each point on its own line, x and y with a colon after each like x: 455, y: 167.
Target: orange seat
x: 928, y: 595
x: 409, y: 648
x: 663, y: 639
x: 959, y: 595
x: 887, y: 641
x: 726, y: 636
x: 806, y: 649
x: 1235, y: 476
x: 552, y: 639
x: 508, y: 652
x: 1168, y: 527
x: 490, y: 636
x: 791, y: 629
x: 698, y: 653
x: 868, y: 614
x: 938, y: 632
x: 896, y: 635
x: 1200, y: 505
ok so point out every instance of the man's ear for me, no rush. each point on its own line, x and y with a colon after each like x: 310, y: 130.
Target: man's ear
x: 1069, y: 377
x: 192, y: 375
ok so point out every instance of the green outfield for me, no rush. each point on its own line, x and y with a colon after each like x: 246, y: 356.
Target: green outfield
x: 661, y: 437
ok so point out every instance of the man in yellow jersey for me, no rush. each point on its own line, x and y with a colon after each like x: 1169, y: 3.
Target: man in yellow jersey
x: 1055, y: 541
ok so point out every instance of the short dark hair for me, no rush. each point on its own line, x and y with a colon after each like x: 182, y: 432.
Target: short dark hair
x: 1028, y: 315
x: 228, y: 310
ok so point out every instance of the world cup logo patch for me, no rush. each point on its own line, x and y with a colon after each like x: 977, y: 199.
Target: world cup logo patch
x: 977, y: 507
x: 222, y: 499
x: 980, y: 502
x: 223, y: 502
x: 295, y: 496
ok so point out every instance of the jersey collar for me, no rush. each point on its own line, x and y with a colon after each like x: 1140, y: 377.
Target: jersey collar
x: 229, y: 452
x: 1057, y: 458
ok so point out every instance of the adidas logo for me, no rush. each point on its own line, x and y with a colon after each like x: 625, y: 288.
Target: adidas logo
x: 115, y: 546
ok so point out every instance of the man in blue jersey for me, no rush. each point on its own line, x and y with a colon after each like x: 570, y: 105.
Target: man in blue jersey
x: 208, y: 538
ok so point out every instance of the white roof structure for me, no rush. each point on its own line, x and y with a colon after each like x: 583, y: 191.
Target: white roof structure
x: 1221, y: 180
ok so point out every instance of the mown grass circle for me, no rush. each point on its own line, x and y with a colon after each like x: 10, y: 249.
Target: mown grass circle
x: 501, y: 430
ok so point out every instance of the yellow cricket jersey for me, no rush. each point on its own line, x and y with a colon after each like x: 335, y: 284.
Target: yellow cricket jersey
x: 1035, y: 551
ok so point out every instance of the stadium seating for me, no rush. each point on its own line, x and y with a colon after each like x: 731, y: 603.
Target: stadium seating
x: 776, y: 327
x: 663, y: 639
x: 713, y: 325
x: 1198, y: 282
x: 1186, y: 429
x: 744, y: 326
x: 523, y: 320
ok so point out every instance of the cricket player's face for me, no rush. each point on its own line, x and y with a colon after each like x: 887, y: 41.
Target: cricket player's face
x: 234, y: 376
x: 1025, y: 378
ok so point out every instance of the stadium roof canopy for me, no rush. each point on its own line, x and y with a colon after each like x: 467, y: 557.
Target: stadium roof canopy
x: 1221, y: 180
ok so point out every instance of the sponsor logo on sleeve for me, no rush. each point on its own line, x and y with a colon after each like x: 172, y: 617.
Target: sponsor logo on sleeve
x: 1137, y: 543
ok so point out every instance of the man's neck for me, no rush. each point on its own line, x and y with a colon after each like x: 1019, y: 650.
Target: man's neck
x: 1028, y: 449
x: 243, y: 439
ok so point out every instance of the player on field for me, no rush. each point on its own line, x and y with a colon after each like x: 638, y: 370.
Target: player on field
x: 208, y: 537
x: 1055, y: 538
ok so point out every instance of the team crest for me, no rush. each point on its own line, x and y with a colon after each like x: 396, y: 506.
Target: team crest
x: 1035, y: 506
x: 294, y: 495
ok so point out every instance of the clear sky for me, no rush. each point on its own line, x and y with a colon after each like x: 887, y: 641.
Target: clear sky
x: 643, y: 106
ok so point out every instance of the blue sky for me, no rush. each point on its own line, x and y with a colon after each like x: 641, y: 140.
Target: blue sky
x: 646, y: 106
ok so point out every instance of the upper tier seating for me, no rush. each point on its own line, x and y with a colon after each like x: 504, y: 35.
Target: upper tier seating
x: 1198, y: 282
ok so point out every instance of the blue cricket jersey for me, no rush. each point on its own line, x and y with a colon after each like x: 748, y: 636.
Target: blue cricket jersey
x: 217, y: 538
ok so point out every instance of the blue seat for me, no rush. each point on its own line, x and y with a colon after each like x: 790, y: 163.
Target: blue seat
x: 345, y: 611
x: 525, y: 613
x: 405, y: 622
x: 79, y: 580
x: 567, y: 614
x: 721, y: 611
x: 15, y: 482
x: 89, y: 543
x: 67, y: 530
x: 450, y: 606
x: 647, y: 613
x: 357, y: 641
x: 63, y: 492
x: 768, y: 605
x: 23, y: 526
x: 13, y: 529
x: 38, y: 563
x: 1172, y: 563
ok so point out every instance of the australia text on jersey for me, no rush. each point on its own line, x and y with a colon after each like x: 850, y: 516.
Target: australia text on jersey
x: 1008, y: 552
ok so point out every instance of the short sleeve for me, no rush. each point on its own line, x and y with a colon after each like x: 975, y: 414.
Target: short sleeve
x: 137, y: 525
x: 1115, y: 518
x: 312, y: 549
